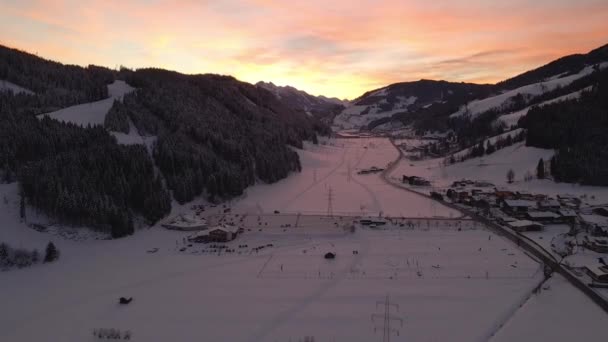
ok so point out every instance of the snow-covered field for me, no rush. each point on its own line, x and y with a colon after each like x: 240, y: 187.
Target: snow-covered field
x: 335, y: 167
x: 8, y: 86
x: 449, y: 285
x: 558, y: 313
x: 93, y: 113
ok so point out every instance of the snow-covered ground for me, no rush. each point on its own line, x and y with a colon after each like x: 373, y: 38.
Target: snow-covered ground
x: 92, y: 113
x: 8, y: 86
x: 449, y: 284
x: 559, y: 312
x: 479, y: 106
x: 494, y: 168
x: 335, y: 167
x: 511, y: 119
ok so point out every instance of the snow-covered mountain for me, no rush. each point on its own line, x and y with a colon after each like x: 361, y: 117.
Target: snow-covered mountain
x: 319, y: 106
x: 425, y: 100
x: 380, y: 105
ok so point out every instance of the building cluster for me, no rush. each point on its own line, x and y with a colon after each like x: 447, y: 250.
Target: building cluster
x: 219, y: 233
x: 415, y: 180
x: 523, y: 211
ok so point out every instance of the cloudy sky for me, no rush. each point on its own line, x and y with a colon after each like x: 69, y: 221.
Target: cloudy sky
x: 331, y: 47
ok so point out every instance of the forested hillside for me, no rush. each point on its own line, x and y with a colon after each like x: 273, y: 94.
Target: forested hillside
x: 56, y: 85
x: 216, y: 135
x: 578, y: 129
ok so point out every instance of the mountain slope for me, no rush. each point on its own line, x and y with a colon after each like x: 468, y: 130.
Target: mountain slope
x: 393, y: 101
x: 319, y: 107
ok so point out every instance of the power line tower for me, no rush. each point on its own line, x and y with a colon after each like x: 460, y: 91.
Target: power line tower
x: 387, y: 318
x: 330, y: 200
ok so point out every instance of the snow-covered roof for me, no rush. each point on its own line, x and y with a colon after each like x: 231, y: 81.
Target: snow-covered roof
x: 542, y: 214
x: 225, y: 228
x: 594, y: 219
x: 567, y: 212
x: 523, y: 223
x: 549, y: 203
x: 520, y: 203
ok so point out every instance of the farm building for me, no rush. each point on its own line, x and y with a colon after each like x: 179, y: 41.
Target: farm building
x: 525, y: 226
x: 223, y: 233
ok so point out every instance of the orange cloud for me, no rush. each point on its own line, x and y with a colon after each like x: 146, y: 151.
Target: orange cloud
x: 335, y: 48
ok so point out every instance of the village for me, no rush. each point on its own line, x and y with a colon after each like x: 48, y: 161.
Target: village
x: 582, y: 228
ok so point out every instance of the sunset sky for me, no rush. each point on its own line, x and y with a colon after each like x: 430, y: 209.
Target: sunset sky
x: 329, y: 47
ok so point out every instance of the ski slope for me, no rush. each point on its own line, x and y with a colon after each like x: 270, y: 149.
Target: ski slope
x: 511, y: 119
x: 92, y: 113
x: 477, y: 107
x: 8, y: 86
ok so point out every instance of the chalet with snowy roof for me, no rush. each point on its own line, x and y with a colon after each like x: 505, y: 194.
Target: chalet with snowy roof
x: 546, y: 217
x: 518, y: 208
x: 224, y: 233
x: 549, y: 204
x: 525, y: 226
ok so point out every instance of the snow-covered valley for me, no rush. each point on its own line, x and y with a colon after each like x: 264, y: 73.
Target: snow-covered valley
x: 452, y: 281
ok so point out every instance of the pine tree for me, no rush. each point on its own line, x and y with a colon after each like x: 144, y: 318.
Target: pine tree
x: 540, y: 169
x: 22, y: 206
x: 51, y: 254
x: 510, y: 175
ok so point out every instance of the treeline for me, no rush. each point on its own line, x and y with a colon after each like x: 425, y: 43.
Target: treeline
x: 117, y: 118
x: 78, y: 175
x: 486, y: 148
x: 56, y: 85
x: 577, y: 129
x: 216, y: 135
x: 19, y: 257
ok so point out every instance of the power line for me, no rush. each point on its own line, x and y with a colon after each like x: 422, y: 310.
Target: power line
x: 387, y: 318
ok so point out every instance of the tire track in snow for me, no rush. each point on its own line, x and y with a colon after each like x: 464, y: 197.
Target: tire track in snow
x: 286, y: 315
x: 331, y: 172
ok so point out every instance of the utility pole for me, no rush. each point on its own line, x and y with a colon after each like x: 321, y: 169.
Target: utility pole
x: 387, y: 318
x: 330, y: 200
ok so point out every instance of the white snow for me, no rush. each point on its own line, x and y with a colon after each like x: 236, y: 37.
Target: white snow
x: 8, y: 86
x: 512, y: 118
x: 559, y: 312
x: 92, y: 113
x: 494, y: 167
x: 450, y: 284
x: 329, y: 166
x: 478, y: 106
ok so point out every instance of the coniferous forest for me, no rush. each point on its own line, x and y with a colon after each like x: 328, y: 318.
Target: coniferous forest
x: 215, y: 136
x: 578, y: 130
